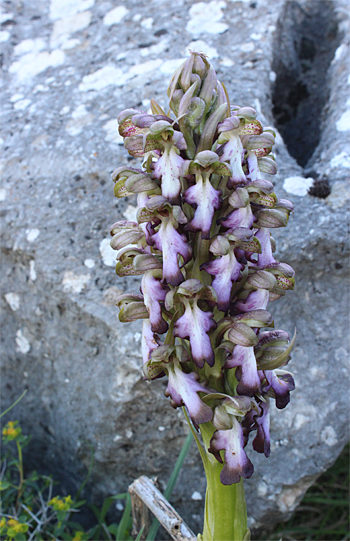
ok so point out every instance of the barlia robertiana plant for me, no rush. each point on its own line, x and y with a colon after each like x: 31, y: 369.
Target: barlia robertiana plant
x: 203, y: 246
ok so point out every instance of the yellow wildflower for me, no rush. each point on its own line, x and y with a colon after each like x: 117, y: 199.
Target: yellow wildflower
x: 78, y: 536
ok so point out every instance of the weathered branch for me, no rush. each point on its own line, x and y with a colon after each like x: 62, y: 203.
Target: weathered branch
x: 143, y: 489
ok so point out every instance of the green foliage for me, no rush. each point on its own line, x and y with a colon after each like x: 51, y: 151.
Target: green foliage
x: 29, y: 511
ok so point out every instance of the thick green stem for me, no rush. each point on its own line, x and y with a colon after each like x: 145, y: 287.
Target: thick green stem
x: 225, y: 517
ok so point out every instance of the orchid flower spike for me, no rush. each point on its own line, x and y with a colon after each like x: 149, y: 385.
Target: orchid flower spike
x: 203, y: 246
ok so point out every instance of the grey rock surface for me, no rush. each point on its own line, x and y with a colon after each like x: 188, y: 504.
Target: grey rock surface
x: 69, y: 67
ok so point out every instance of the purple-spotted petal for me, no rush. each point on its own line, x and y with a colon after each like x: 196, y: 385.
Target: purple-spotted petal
x: 207, y: 200
x: 194, y: 325
x: 237, y: 464
x: 244, y: 358
x: 183, y: 389
x: 168, y: 168
x: 153, y: 294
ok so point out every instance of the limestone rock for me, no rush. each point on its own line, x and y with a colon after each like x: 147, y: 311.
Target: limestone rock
x: 69, y: 67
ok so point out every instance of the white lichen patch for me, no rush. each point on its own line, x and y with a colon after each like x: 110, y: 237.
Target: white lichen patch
x: 31, y: 64
x: 201, y: 46
x: 147, y: 23
x: 29, y: 46
x: 205, y: 17
x: 74, y: 283
x: 298, y: 185
x: 16, y: 97
x: 343, y: 124
x: 67, y: 8
x: 299, y: 420
x: 340, y: 160
x: 328, y: 436
x: 2, y: 194
x: 115, y: 16
x: 23, y: 345
x: 32, y: 271
x: 20, y: 105
x: 80, y: 119
x: 4, y: 35
x: 32, y: 234
x: 108, y: 75
x: 227, y: 62
x: 111, y: 127
x: 157, y: 48
x: 145, y: 67
x: 5, y: 17
x: 196, y: 495
x: 247, y: 47
x: 340, y: 51
x: 13, y: 300
x: 107, y: 253
x: 130, y: 213
x: 89, y: 263
x: 63, y: 28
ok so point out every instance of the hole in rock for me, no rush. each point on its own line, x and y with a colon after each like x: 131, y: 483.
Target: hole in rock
x: 306, y: 39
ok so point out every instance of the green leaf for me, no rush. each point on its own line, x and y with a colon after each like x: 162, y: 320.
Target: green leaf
x: 126, y: 520
x: 14, y: 404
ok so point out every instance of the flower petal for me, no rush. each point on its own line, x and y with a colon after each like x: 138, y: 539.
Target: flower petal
x: 168, y: 168
x: 256, y: 300
x: 183, y: 389
x: 244, y: 358
x: 153, y: 294
x: 241, y: 217
x: 207, y: 199
x: 226, y: 270
x: 237, y: 464
x: 281, y: 386
x: 194, y: 325
x: 261, y: 442
x: 171, y: 243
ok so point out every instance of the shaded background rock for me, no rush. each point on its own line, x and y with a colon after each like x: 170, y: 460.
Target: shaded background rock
x: 69, y: 67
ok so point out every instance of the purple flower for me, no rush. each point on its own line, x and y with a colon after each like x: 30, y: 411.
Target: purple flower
x: 279, y: 384
x: 233, y: 151
x: 265, y: 257
x: 183, y: 389
x: 168, y: 168
x: 207, y: 200
x: 261, y: 442
x: 231, y: 441
x: 167, y: 239
x: 244, y: 358
x: 194, y: 325
x: 153, y: 294
x: 225, y: 269
x: 256, y: 300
